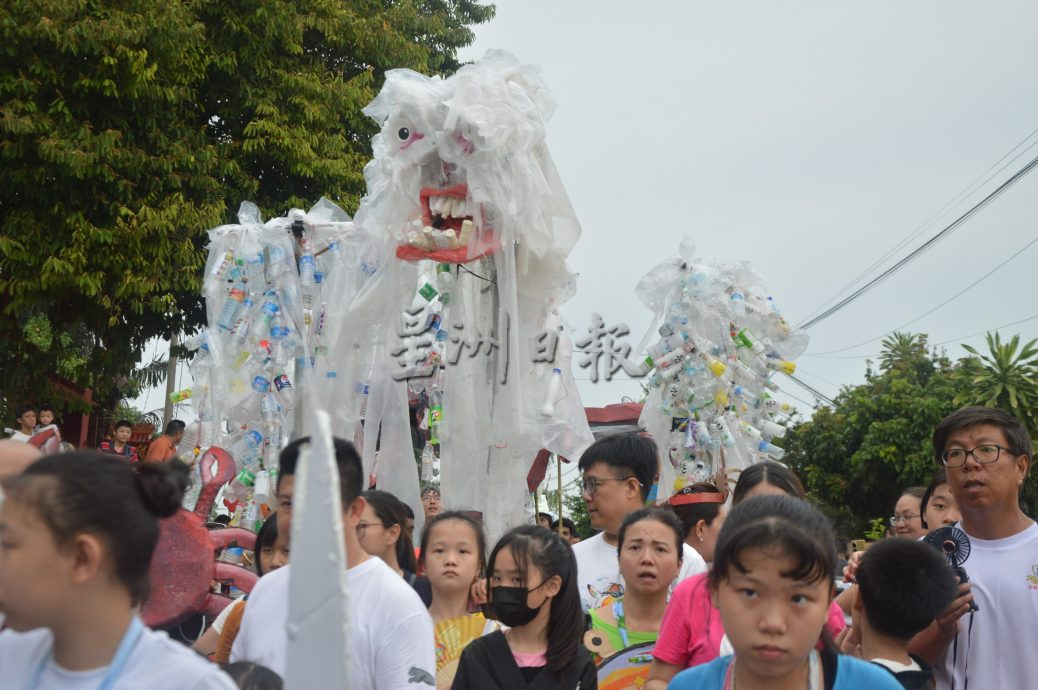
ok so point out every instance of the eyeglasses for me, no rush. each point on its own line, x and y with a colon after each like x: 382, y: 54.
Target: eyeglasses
x: 590, y: 485
x: 985, y: 455
x: 362, y: 527
x: 897, y: 519
x: 429, y: 498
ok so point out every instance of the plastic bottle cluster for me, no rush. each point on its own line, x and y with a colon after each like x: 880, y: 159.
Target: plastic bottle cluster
x: 263, y: 290
x: 721, y: 343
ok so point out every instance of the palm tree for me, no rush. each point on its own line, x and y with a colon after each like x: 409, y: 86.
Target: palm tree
x: 906, y: 354
x: 1004, y: 378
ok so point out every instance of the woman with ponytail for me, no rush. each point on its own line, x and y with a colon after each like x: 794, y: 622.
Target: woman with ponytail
x: 77, y: 532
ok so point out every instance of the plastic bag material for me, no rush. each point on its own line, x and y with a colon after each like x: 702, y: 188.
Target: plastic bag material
x: 715, y: 344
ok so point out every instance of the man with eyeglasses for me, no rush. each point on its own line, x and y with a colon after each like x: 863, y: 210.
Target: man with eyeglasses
x: 987, y: 454
x: 618, y: 472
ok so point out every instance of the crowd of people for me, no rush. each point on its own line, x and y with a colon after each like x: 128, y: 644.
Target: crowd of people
x: 753, y: 596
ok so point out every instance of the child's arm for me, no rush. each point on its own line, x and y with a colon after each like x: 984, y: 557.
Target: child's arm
x: 660, y: 674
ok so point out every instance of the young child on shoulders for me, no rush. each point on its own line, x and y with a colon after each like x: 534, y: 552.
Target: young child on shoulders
x: 903, y: 585
x: 453, y: 556
x: 533, y: 591
x: 772, y: 582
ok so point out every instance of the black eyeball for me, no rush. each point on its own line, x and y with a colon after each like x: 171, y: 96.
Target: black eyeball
x: 404, y: 133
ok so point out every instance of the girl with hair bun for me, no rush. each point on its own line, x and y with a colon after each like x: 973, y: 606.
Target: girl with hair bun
x: 77, y: 533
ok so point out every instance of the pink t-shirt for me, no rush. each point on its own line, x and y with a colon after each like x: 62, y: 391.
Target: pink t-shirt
x: 530, y: 660
x: 691, y: 631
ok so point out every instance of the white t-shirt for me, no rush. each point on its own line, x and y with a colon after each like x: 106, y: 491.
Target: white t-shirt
x: 1004, y: 578
x: 598, y: 570
x: 156, y: 663
x: 391, y: 633
x: 225, y: 614
x: 20, y: 437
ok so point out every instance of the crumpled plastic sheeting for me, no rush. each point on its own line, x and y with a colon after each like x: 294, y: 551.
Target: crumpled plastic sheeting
x: 268, y: 357
x: 484, y: 128
x: 718, y: 341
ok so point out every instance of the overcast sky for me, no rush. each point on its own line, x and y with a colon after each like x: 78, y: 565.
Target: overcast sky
x: 808, y: 138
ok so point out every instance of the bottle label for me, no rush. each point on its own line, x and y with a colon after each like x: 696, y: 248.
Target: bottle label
x: 428, y: 292
x: 281, y: 382
x: 246, y: 478
x: 260, y: 384
x: 279, y: 332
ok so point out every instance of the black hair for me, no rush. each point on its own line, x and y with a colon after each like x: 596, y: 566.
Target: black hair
x: 88, y: 491
x: 940, y: 477
x: 44, y: 407
x: 1015, y: 432
x: 767, y: 472
x: 551, y: 518
x: 904, y: 585
x: 631, y: 453
x: 431, y: 489
x: 659, y: 514
x: 691, y: 513
x: 390, y: 511
x: 408, y: 513
x: 347, y: 461
x: 22, y: 409
x: 251, y: 676
x: 476, y: 525
x: 266, y: 537
x: 777, y: 525
x: 174, y: 427
x: 566, y: 522
x: 122, y: 423
x: 535, y: 546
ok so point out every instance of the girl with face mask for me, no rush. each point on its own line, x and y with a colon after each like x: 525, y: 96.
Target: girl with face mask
x: 533, y: 591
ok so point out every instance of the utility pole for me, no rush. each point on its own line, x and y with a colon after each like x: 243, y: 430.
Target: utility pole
x: 171, y: 381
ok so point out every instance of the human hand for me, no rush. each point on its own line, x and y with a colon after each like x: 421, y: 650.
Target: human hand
x: 848, y: 643
x: 850, y: 570
x: 949, y: 620
x: 478, y: 592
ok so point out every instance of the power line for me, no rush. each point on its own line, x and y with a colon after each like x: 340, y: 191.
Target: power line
x: 958, y: 339
x: 945, y: 302
x: 812, y: 390
x: 966, y: 191
x: 924, y: 247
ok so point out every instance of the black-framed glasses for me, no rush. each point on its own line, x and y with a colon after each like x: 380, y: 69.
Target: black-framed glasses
x: 898, y: 519
x: 362, y: 527
x: 985, y: 455
x: 589, y: 485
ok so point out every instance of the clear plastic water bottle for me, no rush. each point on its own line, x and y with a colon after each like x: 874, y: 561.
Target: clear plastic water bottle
x: 269, y: 307
x: 230, y: 309
x: 241, y: 326
x: 247, y: 447
x: 307, y: 267
x: 278, y: 326
x: 269, y: 409
x: 428, y: 457
x: 285, y: 391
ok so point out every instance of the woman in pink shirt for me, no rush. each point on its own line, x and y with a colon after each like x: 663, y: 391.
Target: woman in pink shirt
x: 691, y: 632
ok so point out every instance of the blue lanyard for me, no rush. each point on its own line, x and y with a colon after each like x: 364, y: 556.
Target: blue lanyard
x: 122, y: 655
x: 621, y: 624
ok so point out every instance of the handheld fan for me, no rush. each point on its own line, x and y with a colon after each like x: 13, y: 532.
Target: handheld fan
x: 954, y: 545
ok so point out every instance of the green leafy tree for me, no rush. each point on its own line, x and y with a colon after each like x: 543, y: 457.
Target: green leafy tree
x: 1006, y: 377
x: 857, y: 456
x: 128, y: 128
x: 573, y: 505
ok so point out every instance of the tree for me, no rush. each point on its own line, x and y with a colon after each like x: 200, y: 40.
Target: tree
x: 129, y: 128
x: 1004, y: 378
x: 857, y: 456
x: 573, y: 504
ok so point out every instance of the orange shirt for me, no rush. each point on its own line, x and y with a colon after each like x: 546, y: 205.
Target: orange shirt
x: 161, y: 450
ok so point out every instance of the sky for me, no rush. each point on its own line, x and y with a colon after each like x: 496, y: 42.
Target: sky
x: 808, y: 139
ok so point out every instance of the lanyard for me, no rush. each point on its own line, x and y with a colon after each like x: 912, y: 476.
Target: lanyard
x: 621, y: 625
x: 122, y: 655
x: 814, y: 673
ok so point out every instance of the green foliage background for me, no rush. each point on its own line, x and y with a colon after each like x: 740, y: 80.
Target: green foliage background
x: 855, y: 458
x: 128, y: 128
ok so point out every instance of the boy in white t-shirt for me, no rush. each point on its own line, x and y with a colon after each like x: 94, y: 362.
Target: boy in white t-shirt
x: 392, y: 646
x: 618, y: 472
x: 987, y: 454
